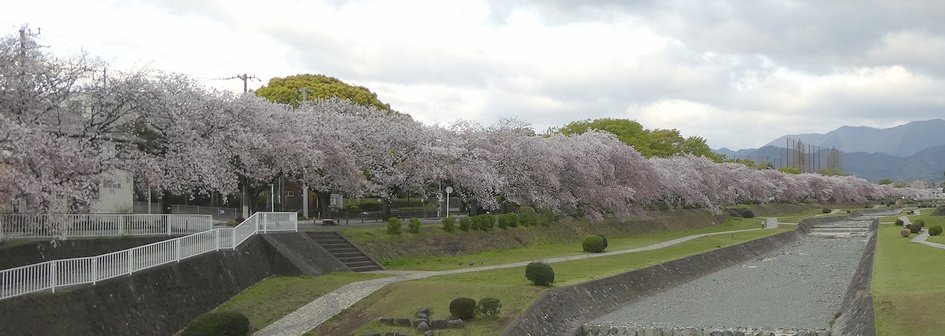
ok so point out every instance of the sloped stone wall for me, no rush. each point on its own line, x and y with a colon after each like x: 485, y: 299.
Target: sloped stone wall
x: 159, y: 301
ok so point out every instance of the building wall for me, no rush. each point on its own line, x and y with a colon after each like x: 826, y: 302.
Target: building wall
x: 115, y: 194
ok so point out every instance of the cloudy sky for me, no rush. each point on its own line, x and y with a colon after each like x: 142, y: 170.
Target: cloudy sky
x: 737, y: 73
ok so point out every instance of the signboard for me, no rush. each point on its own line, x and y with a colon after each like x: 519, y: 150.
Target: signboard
x: 336, y: 201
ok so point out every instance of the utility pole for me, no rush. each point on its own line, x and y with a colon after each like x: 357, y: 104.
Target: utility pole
x: 304, y: 90
x: 245, y: 79
x: 243, y: 200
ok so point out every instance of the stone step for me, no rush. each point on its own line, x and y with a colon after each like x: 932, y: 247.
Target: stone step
x: 359, y: 263
x: 354, y: 259
x: 365, y: 268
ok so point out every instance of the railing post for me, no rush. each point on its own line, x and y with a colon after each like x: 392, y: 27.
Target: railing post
x: 131, y: 262
x: 177, y: 247
x: 52, y: 276
x: 121, y: 224
x: 94, y: 270
x: 234, y: 237
x: 265, y: 223
x: 216, y: 240
x: 167, y: 222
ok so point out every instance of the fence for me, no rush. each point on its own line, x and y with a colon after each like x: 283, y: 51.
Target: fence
x: 218, y: 213
x: 90, y: 270
x: 20, y: 226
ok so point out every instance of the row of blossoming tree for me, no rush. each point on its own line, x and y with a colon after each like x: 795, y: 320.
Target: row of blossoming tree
x: 65, y: 122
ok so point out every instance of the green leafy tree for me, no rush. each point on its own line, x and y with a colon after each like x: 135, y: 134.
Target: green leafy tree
x: 289, y: 90
x: 790, y: 170
x: 658, y: 142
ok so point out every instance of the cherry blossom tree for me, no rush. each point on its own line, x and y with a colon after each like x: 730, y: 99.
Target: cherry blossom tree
x: 61, y: 127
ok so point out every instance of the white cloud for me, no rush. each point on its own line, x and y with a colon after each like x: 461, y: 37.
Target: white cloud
x: 736, y: 73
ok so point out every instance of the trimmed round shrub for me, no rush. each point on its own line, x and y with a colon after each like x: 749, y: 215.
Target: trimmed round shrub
x: 594, y: 244
x: 463, y: 308
x: 899, y: 222
x: 414, y: 225
x: 905, y: 232
x: 527, y: 216
x: 394, y: 226
x: 540, y: 273
x: 502, y: 221
x: 486, y: 222
x: 935, y: 230
x: 512, y: 219
x: 827, y: 210
x: 914, y: 228
x: 605, y: 240
x: 465, y: 224
x: 226, y: 323
x: 748, y: 214
x: 919, y: 222
x: 449, y: 224
x: 489, y: 306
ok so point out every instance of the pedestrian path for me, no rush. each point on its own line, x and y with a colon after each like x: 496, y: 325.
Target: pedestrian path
x: 315, y: 313
x: 925, y: 235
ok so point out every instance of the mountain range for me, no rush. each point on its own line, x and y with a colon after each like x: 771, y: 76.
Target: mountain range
x: 908, y: 152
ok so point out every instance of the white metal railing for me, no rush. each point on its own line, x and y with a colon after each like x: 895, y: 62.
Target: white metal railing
x: 90, y: 270
x: 19, y: 226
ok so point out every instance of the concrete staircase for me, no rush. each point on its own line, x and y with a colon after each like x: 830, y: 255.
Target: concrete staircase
x: 842, y: 229
x: 345, y: 251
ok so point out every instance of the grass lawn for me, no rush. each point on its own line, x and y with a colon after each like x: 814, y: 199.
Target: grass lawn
x: 273, y: 298
x: 794, y: 218
x: 907, y: 296
x: 509, y: 285
x: 552, y: 250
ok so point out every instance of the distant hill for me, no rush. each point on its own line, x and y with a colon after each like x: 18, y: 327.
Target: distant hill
x: 899, y: 141
x: 909, y: 152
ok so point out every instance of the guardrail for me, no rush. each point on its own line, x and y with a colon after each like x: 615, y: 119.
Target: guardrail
x: 20, y: 226
x: 55, y: 274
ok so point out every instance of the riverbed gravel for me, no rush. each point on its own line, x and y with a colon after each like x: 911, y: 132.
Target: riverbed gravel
x: 798, y: 286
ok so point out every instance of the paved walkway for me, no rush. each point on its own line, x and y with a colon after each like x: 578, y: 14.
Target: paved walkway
x: 925, y: 235
x: 317, y: 312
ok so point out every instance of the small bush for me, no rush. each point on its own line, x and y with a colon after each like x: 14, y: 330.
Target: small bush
x: 748, y: 214
x: 914, y: 228
x: 502, y: 221
x: 827, y: 210
x: 489, y: 306
x: 935, y: 230
x: 226, y: 323
x: 527, y: 216
x: 593, y: 244
x: 905, y: 232
x: 463, y: 308
x: 394, y: 226
x: 512, y: 219
x: 414, y: 225
x: 486, y: 222
x: 540, y: 273
x: 899, y: 222
x: 449, y: 224
x: 605, y: 240
x: 465, y: 224
x: 920, y: 223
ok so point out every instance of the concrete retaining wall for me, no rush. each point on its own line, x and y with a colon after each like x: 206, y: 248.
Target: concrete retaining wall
x: 856, y: 312
x: 561, y: 311
x: 866, y: 212
x: 159, y: 301
x: 602, y: 330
